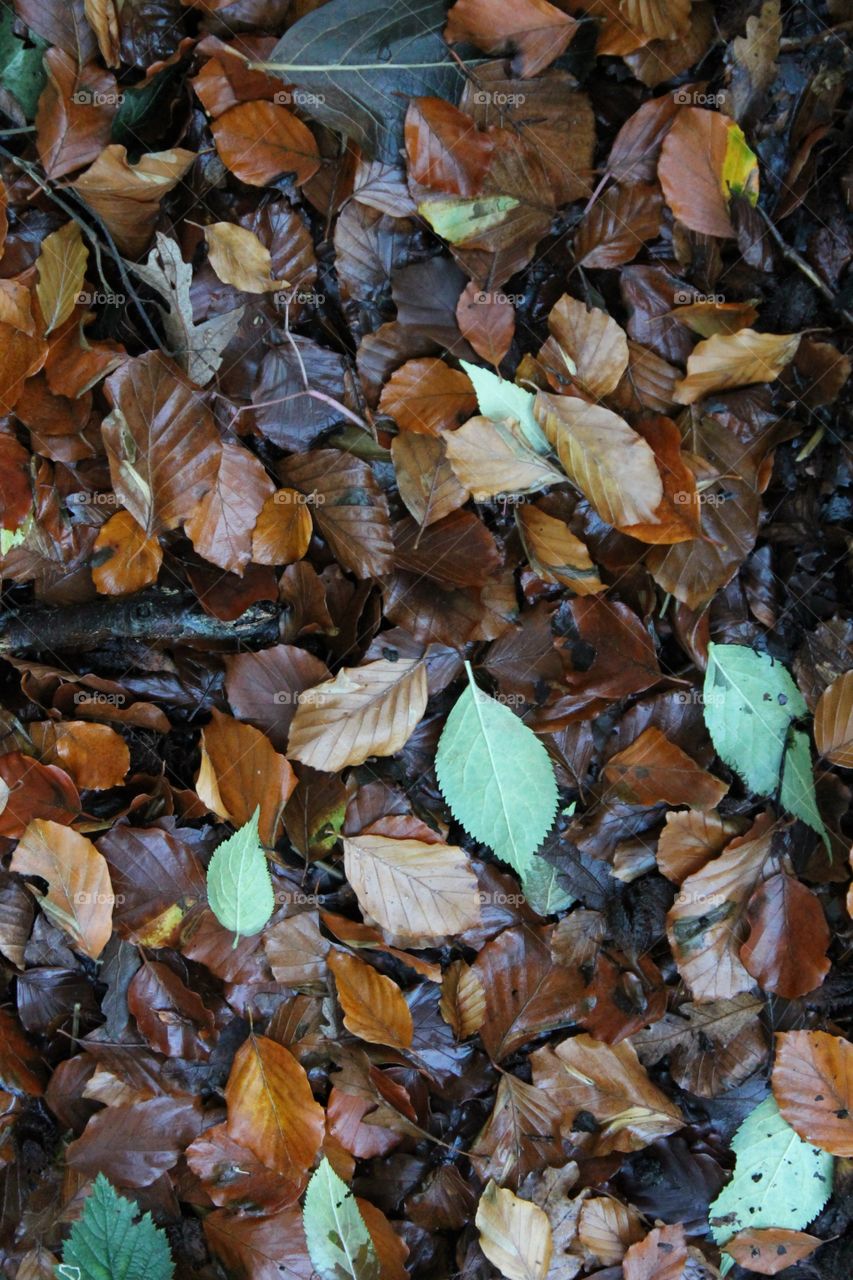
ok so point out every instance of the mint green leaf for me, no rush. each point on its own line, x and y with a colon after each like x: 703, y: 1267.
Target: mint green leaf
x: 779, y: 1180
x: 338, y: 1240
x: 457, y: 219
x: 498, y: 399
x: 749, y: 703
x: 239, y: 887
x: 542, y: 888
x: 21, y: 68
x: 106, y: 1244
x: 798, y: 794
x: 496, y: 776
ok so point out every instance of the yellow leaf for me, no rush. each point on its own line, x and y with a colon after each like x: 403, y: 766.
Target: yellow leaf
x: 61, y: 270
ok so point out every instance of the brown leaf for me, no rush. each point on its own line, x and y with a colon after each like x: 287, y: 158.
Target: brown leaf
x: 593, y: 342
x: 536, y: 30
x: 22, y: 1068
x: 79, y: 898
x: 653, y: 769
x: 16, y: 309
x: 678, y: 518
x: 283, y: 530
x: 374, y: 1007
x: 457, y: 551
x: 487, y: 321
x: 417, y: 893
x: 707, y: 923
x: 520, y: 1136
x: 61, y: 269
x: 127, y: 560
x: 240, y: 771
x: 635, y: 151
x: 690, y: 170
x: 490, y: 458
x: 789, y: 937
x: 75, y: 113
x: 554, y: 552
x: 711, y: 1047
x: 227, y: 79
x: 365, y: 711
x: 833, y: 722
x: 172, y: 1018
x: 425, y: 479
x: 428, y: 397
x: 773, y: 1249
x: 607, y: 1228
x: 661, y: 1256
x: 238, y: 257
x: 526, y: 993
x: 297, y: 950
x: 609, y: 462
x: 161, y: 440
x: 233, y: 1176
x: 707, y: 318
x: 813, y: 1086
x: 261, y: 141
x: 94, y: 755
x: 618, y: 225
x: 582, y: 1074
x: 271, y: 1109
x: 463, y: 999
x: 735, y: 360
x: 445, y: 149
x: 349, y: 508
x: 23, y: 356
x: 133, y: 1145
x: 34, y: 790
x: 689, y: 840
x: 623, y: 656
x: 265, y: 1248
x: 127, y: 196
x: 220, y: 528
x: 263, y: 687
x: 102, y: 16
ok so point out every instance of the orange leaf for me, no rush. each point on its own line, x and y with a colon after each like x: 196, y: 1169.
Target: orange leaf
x: 487, y: 321
x: 771, y: 1250
x: 127, y: 560
x: 735, y: 360
x: 283, y: 530
x: 537, y: 30
x: 127, y: 196
x: 446, y: 151
x: 428, y: 397
x: 652, y: 769
x: 661, y: 1256
x: 94, y: 755
x: 261, y: 141
x: 79, y: 898
x: 813, y: 1087
x: 220, y: 527
x: 271, y: 1109
x: 240, y: 771
x: 374, y: 1007
x: 786, y: 949
x: 691, y: 169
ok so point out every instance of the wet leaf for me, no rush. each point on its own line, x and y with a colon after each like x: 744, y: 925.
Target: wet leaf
x: 271, y: 1109
x: 260, y: 142
x: 373, y: 1005
x: 79, y: 898
x: 127, y: 560
x: 812, y: 1084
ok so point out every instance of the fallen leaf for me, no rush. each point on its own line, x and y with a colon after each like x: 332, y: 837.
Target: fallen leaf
x: 240, y: 771
x: 487, y: 321
x: 425, y: 480
x: 349, y: 508
x: 607, y: 1229
x: 833, y: 722
x: 515, y: 1235
x: 788, y: 940
x: 445, y: 150
x: 221, y: 526
x: 617, y: 226
x: 428, y: 397
x: 520, y: 1136
x: 537, y: 31
x: 126, y: 560
x: 526, y: 993
x: 491, y: 458
x: 555, y: 553
x: 662, y: 1255
x: 463, y: 999
x: 271, y: 1109
x: 238, y: 257
x: 735, y: 360
x: 813, y: 1086
x: 94, y: 755
x: 261, y: 141
x: 61, y: 270
x: 594, y: 347
x: 374, y: 1007
x: 652, y: 769
x: 704, y: 161
x: 79, y: 896
x: 127, y: 196
x: 773, y: 1249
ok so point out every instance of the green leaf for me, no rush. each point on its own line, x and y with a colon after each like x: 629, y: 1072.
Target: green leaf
x: 542, y: 889
x: 21, y: 69
x: 496, y: 776
x: 798, y: 794
x: 239, y: 887
x: 456, y: 219
x: 498, y: 399
x: 106, y: 1244
x: 358, y: 62
x: 335, y: 1232
x: 779, y: 1180
x: 749, y: 703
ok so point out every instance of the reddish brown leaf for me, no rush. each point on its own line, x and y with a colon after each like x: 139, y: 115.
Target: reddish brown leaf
x: 220, y: 527
x: 535, y: 29
x: 813, y: 1086
x: 79, y: 896
x: 427, y: 396
x: 261, y: 141
x: 172, y: 1018
x: 271, y: 1109
x: 240, y: 771
x: 618, y: 225
x: 94, y: 755
x: 374, y: 1007
x: 127, y: 560
x: 133, y: 1145
x: 789, y: 937
x: 446, y: 151
x: 652, y: 769
x: 771, y: 1250
x: 349, y: 508
x: 75, y: 114
x: 233, y: 1176
x: 661, y: 1256
x: 127, y: 196
x: 34, y: 791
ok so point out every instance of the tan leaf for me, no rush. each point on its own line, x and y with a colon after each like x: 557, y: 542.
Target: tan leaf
x: 283, y: 529
x: 833, y: 722
x: 364, y: 711
x: 102, y: 17
x: 735, y: 360
x: 79, y: 898
x: 515, y: 1235
x: 94, y: 755
x: 661, y: 1256
x: 261, y: 141
x: 416, y: 892
x: 240, y: 771
x: 297, y: 950
x: 463, y: 999
x: 425, y: 479
x: 678, y: 518
x: 689, y: 840
x: 707, y: 923
x: 127, y: 196
x: 608, y: 1228
x: 238, y: 257
x: 711, y: 1047
x: 61, y: 270
x: 652, y: 769
x: 583, y: 1074
x: 428, y: 397
x: 271, y: 1109
x: 220, y: 527
x: 708, y: 318
x: 771, y: 1250
x: 374, y: 1007
x: 609, y: 462
x: 813, y: 1086
x: 16, y: 307
x: 520, y: 1136
x: 127, y: 560
x: 593, y: 342
x: 555, y: 553
x: 489, y: 458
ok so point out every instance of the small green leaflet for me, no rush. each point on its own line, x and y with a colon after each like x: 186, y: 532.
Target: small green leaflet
x: 496, y: 776
x: 498, y: 399
x: 779, y: 1180
x: 106, y: 1244
x: 750, y: 703
x: 239, y: 886
x: 338, y: 1240
x: 21, y: 69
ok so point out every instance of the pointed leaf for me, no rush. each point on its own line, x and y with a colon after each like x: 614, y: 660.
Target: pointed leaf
x: 107, y: 1244
x: 338, y: 1240
x: 239, y: 885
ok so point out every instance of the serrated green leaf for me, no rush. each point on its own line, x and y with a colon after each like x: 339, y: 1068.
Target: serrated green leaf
x: 779, y: 1180
x: 749, y: 703
x: 21, y: 68
x: 798, y: 794
x: 239, y: 887
x: 335, y: 1232
x: 498, y: 399
x: 496, y: 776
x: 106, y: 1244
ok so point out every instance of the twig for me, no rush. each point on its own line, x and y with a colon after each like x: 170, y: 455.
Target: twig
x: 791, y: 255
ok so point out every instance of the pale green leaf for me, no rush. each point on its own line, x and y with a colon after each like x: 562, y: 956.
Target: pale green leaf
x: 338, y: 1240
x: 239, y: 887
x: 779, y: 1180
x: 498, y: 399
x: 749, y: 703
x: 496, y: 776
x: 456, y: 219
x: 543, y: 890
x: 22, y: 72
x: 106, y: 1244
x: 798, y: 794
